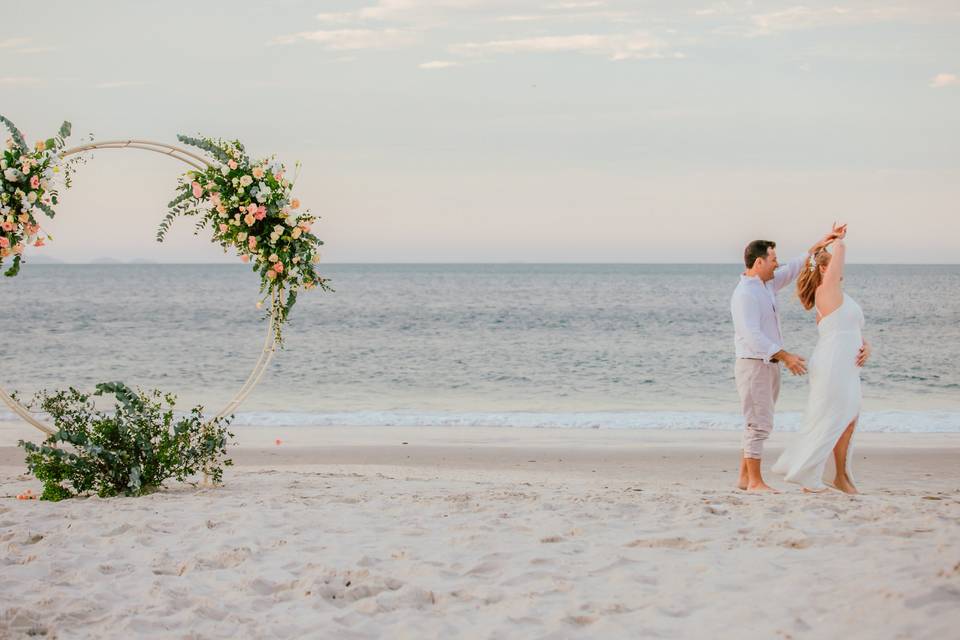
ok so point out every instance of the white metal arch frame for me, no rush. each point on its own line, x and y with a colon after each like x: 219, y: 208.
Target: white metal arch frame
x: 269, y: 344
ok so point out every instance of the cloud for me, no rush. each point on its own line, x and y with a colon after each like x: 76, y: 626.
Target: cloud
x: 32, y: 50
x: 12, y: 81
x: 402, y: 10
x: 804, y: 17
x: 944, y: 80
x: 590, y: 4
x: 614, y: 46
x: 353, y: 39
x: 439, y: 64
x: 10, y: 43
x: 120, y: 84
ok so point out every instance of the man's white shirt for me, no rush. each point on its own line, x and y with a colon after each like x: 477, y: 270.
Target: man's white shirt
x: 756, y: 319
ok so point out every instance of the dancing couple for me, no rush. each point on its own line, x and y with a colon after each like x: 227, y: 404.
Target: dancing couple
x: 833, y: 406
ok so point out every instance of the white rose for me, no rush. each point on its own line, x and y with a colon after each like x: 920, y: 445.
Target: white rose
x: 12, y: 175
x: 242, y: 236
x: 32, y: 197
x: 224, y: 169
x: 246, y: 181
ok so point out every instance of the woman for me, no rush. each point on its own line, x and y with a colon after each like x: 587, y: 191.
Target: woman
x: 834, y: 368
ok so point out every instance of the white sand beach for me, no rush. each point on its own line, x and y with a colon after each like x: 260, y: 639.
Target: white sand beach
x: 492, y: 533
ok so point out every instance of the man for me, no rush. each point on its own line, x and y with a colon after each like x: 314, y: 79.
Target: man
x: 759, y: 348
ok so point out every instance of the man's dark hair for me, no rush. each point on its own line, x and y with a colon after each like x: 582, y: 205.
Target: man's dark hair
x: 757, y: 249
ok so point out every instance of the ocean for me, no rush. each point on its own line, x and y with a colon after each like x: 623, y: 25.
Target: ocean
x: 553, y: 345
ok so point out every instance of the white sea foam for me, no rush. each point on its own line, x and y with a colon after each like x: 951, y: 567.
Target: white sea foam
x: 878, y: 421
x: 881, y: 421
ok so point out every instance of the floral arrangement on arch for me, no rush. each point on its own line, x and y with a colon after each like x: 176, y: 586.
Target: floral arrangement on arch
x: 27, y: 188
x: 249, y: 206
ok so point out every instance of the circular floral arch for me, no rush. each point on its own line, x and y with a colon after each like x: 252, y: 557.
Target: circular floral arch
x: 246, y: 204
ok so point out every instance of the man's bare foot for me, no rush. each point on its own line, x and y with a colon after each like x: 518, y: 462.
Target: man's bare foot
x: 743, y: 481
x: 844, y: 484
x: 761, y: 487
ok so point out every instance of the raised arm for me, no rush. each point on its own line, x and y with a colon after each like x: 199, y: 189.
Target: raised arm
x: 788, y: 273
x: 829, y: 294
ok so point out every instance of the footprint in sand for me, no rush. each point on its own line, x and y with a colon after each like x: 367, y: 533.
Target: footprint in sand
x: 665, y: 543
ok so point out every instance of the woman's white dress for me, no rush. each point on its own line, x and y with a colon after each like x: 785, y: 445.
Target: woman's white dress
x: 834, y: 400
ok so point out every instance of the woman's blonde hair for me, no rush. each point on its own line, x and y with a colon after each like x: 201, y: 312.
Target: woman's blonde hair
x: 810, y: 278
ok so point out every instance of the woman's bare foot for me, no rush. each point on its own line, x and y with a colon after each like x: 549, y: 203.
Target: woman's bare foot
x: 843, y: 483
x: 824, y: 490
x: 761, y: 487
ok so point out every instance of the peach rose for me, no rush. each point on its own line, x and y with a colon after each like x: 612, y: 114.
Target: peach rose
x: 38, y: 243
x: 4, y: 242
x: 258, y: 172
x: 244, y: 258
x: 294, y: 204
x: 223, y: 228
x: 17, y: 249
x: 232, y: 164
x: 271, y: 274
x: 249, y: 219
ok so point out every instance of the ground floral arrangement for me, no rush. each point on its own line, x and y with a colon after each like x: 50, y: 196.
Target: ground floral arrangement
x: 247, y: 204
x: 130, y: 451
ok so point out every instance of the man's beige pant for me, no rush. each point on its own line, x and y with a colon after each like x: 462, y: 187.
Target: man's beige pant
x: 759, y: 385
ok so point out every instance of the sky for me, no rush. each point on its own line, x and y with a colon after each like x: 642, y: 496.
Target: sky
x: 512, y: 131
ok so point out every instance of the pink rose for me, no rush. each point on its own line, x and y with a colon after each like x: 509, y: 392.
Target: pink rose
x: 278, y: 267
x: 261, y: 213
x: 197, y: 190
x: 223, y: 228
x: 4, y: 242
x: 271, y: 274
x: 305, y: 226
x: 251, y: 208
x: 252, y: 242
x: 6, y: 226
x: 215, y: 199
x: 38, y: 243
x: 35, y: 182
x: 232, y: 164
x: 278, y: 176
x: 244, y: 258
